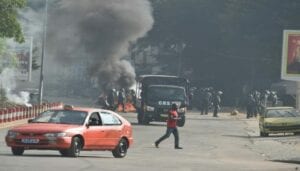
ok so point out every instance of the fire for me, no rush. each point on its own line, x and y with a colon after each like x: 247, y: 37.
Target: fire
x: 129, y: 107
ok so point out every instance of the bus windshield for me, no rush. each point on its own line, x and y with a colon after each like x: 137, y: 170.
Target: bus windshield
x: 165, y: 93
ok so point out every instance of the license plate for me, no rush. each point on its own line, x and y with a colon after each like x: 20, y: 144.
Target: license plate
x: 164, y: 115
x: 30, y: 140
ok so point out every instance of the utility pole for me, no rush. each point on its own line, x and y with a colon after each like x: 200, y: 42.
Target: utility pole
x: 43, y: 53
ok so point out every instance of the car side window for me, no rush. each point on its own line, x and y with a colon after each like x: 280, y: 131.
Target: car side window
x: 95, y: 119
x: 110, y: 119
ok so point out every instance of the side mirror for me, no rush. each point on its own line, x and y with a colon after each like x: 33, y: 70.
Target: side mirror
x: 93, y: 121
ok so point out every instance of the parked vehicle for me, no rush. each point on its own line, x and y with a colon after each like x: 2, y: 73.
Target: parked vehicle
x: 279, y: 120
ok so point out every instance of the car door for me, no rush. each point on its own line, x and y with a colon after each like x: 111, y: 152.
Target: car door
x: 113, y: 125
x: 95, y: 133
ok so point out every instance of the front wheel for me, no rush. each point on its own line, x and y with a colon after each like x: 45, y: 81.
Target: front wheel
x: 142, y: 119
x: 263, y: 134
x: 296, y: 133
x: 121, y: 149
x: 75, y: 148
x: 181, y: 122
x: 17, y: 151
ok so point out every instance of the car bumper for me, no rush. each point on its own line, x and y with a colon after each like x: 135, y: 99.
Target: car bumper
x: 159, y: 116
x: 281, y: 129
x: 44, y: 143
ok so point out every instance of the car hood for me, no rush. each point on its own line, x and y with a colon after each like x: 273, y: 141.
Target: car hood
x: 279, y: 121
x: 44, y: 127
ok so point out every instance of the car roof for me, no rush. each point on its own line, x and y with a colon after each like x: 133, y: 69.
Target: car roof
x: 83, y: 109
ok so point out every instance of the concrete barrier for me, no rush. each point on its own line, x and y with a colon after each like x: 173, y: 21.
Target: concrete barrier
x: 20, y: 113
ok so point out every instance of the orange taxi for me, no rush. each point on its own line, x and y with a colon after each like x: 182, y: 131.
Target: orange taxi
x: 72, y: 129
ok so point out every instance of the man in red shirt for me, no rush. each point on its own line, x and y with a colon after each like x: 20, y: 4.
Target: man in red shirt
x: 171, y: 127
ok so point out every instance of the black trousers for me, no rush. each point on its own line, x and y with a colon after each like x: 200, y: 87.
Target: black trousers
x: 167, y: 134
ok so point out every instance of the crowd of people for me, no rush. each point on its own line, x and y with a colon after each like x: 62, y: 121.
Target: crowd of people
x: 257, y: 101
x: 207, y: 98
x: 204, y: 99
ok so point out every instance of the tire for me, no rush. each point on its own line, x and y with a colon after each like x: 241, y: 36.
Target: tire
x: 146, y: 121
x: 263, y: 134
x: 63, y: 152
x: 75, y: 148
x: 142, y: 119
x: 121, y: 149
x: 17, y: 151
x: 181, y: 122
x: 296, y: 133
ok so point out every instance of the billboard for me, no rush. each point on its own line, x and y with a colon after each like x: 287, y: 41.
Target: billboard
x: 290, y: 64
x: 23, y: 54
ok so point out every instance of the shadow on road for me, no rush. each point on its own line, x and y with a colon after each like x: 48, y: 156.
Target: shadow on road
x: 54, y: 156
x: 150, y: 124
x: 287, y: 161
x: 259, y: 137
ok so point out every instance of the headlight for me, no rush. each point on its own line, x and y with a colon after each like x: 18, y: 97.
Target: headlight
x: 51, y: 135
x: 149, y: 108
x: 181, y: 110
x: 12, y: 134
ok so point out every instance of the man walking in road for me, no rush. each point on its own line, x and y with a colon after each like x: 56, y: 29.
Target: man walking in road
x: 171, y: 127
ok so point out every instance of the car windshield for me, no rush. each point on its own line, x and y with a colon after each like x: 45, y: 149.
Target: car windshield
x: 279, y: 113
x: 61, y: 117
x: 165, y: 93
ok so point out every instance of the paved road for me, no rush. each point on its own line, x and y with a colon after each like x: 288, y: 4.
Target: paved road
x: 226, y: 143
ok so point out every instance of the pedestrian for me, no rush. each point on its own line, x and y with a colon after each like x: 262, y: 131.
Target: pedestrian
x: 216, y: 102
x: 111, y: 99
x: 273, y: 98
x: 171, y: 127
x: 122, y: 99
x: 250, y: 105
x: 206, y: 101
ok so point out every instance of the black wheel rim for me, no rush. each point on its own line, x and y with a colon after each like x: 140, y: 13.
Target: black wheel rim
x: 77, y: 148
x: 122, y: 147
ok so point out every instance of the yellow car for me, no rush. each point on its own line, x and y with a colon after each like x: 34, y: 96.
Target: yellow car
x: 279, y: 120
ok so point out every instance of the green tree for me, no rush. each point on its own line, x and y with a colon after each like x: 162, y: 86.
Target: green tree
x: 7, y: 59
x: 9, y: 25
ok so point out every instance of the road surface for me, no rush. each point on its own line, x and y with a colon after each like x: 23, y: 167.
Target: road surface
x: 225, y: 143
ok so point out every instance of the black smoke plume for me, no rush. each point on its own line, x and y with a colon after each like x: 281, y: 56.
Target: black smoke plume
x: 98, y: 33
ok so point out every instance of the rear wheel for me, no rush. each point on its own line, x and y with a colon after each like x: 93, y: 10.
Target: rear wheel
x: 263, y: 134
x: 121, y: 149
x: 17, y: 151
x: 75, y: 148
